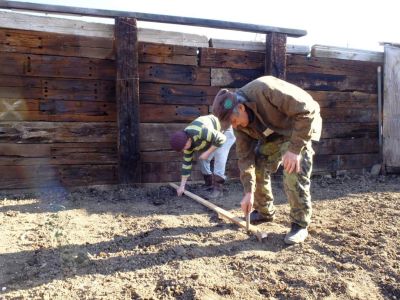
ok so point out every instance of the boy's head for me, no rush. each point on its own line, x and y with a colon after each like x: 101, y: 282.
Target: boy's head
x: 179, y: 141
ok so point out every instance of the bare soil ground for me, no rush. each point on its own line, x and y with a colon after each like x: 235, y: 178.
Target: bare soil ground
x: 142, y: 243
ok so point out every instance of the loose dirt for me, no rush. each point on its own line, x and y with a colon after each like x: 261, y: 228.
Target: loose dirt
x: 146, y: 243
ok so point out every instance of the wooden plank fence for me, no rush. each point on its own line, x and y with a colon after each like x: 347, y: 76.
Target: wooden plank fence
x: 58, y: 111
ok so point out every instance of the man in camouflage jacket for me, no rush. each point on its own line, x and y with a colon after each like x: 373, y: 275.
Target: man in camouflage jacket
x: 274, y: 123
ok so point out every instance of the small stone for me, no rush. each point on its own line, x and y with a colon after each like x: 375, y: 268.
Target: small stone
x: 3, y: 289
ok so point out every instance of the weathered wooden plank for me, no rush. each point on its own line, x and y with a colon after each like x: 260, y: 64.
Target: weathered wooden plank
x: 171, y: 171
x: 84, y: 90
x: 346, y: 53
x: 172, y: 37
x: 56, y: 66
x: 153, y: 113
x: 17, y: 20
x: 346, y: 146
x: 329, y: 82
x: 170, y: 155
x: 30, y: 116
x: 234, y: 78
x: 126, y: 44
x: 275, y: 55
x: 331, y: 163
x: 83, y: 28
x: 58, y: 154
x: 391, y: 107
x: 27, y: 172
x: 161, y: 156
x: 227, y: 58
x: 25, y: 87
x: 35, y: 176
x: 349, y: 130
x: 91, y: 108
x: 57, y: 106
x: 81, y: 175
x: 167, y: 54
x: 36, y: 42
x: 345, y: 99
x: 163, y: 73
x: 332, y: 66
x: 177, y: 94
x: 155, y: 136
x: 24, y: 150
x: 60, y: 132
x: 255, y: 46
x: 340, y: 115
x: 54, y: 110
x: 152, y: 18
x: 12, y: 106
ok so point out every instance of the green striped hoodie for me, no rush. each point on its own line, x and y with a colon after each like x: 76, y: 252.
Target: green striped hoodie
x: 204, y: 132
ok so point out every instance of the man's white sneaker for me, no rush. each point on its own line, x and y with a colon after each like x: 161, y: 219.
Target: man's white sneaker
x: 297, y: 234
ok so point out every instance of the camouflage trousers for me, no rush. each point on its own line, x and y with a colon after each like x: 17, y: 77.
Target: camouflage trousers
x: 296, y: 185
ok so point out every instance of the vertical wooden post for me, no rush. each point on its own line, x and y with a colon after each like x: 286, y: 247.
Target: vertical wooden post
x: 127, y: 95
x: 275, y: 55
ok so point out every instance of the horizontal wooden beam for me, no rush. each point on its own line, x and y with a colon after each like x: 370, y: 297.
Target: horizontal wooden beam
x: 103, y: 13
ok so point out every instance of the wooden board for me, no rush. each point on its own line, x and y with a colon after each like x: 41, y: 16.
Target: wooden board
x: 332, y: 66
x: 176, y: 74
x: 36, y: 42
x: 167, y: 54
x: 275, y: 55
x: 340, y: 115
x: 62, y: 132
x: 44, y: 23
x: 328, y: 74
x: 155, y: 93
x: 25, y: 87
x: 54, y: 110
x: 346, y: 53
x: 155, y: 136
x: 153, y: 113
x: 18, y: 64
x: 22, y: 177
x: 227, y: 58
x: 349, y: 130
x: 346, y: 146
x: 57, y: 154
x: 342, y: 100
x: 255, y: 46
x: 127, y: 97
x: 391, y: 107
x: 331, y: 163
x: 234, y: 78
x: 171, y: 171
x: 328, y: 82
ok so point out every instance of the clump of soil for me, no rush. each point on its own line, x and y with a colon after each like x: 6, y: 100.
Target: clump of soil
x: 147, y: 243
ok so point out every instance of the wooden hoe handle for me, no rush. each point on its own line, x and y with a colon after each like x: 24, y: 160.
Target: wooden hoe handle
x: 221, y: 212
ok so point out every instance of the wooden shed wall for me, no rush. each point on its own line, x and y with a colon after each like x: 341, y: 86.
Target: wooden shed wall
x: 58, y: 109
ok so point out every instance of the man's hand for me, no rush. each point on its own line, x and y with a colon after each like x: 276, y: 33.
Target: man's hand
x: 291, y: 162
x: 247, y: 203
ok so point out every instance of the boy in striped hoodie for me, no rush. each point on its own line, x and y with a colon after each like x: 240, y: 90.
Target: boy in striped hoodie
x: 204, y: 135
